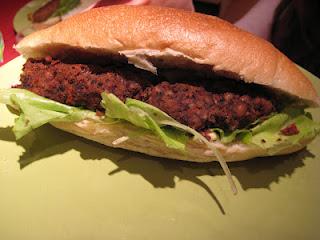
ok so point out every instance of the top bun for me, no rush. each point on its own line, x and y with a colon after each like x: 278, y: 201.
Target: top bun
x: 151, y: 37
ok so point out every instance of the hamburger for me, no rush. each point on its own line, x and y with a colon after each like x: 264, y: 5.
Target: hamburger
x: 164, y: 82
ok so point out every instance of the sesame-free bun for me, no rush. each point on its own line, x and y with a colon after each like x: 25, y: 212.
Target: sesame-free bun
x: 152, y: 37
x: 156, y: 38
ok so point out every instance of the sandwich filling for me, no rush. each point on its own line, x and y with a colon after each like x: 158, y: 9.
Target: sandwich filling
x: 200, y: 103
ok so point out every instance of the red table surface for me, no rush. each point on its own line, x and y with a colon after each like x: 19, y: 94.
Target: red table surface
x: 7, y: 13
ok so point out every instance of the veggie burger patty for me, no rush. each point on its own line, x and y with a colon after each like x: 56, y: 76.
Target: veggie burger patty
x: 220, y: 104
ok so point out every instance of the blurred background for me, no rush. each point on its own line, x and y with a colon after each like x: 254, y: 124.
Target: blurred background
x: 290, y: 25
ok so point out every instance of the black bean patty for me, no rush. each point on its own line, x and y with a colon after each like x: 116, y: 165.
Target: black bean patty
x: 201, y: 108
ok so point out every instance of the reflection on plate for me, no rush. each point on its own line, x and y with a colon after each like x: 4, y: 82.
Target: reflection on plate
x: 54, y: 185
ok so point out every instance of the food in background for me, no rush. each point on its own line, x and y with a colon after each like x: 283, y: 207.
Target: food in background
x: 39, y: 14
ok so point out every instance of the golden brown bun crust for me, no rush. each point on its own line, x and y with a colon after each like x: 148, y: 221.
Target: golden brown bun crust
x: 150, y: 144
x: 156, y: 31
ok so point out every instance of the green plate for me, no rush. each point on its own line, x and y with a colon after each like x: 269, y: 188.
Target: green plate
x: 54, y: 185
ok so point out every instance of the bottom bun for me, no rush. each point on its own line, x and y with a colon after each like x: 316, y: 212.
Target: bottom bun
x: 127, y: 136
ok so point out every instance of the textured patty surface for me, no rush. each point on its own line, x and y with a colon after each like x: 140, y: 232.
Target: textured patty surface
x: 189, y: 103
x: 81, y: 85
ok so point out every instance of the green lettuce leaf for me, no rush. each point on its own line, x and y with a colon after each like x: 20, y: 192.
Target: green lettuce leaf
x: 267, y: 134
x: 36, y: 111
x: 116, y: 109
x: 228, y: 137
